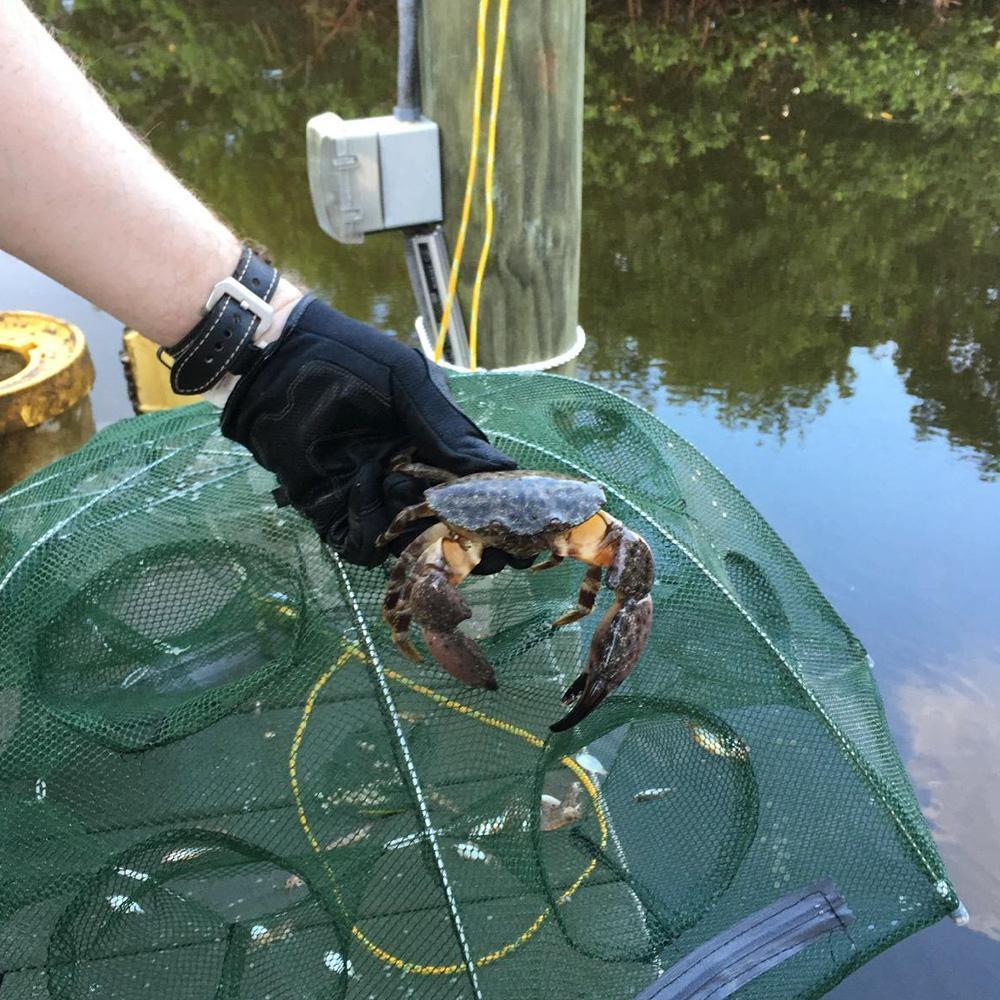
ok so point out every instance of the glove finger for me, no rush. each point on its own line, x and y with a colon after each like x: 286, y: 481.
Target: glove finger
x: 492, y: 562
x: 444, y: 435
x: 457, y: 448
x: 402, y: 491
x: 367, y: 517
x: 495, y: 560
x: 328, y: 514
x: 516, y: 562
x: 397, y: 545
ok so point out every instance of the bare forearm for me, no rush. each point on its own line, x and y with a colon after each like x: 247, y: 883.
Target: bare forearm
x: 82, y: 199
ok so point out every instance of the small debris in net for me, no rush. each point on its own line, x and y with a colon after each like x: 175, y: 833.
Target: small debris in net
x: 442, y: 800
x: 556, y: 814
x: 473, y: 852
x: 334, y: 961
x: 367, y: 795
x: 184, y: 854
x: 651, y: 794
x: 261, y: 936
x: 124, y: 903
x: 489, y: 826
x: 134, y: 676
x: 349, y: 838
x: 718, y: 743
x: 131, y: 873
x: 407, y: 840
x: 590, y: 763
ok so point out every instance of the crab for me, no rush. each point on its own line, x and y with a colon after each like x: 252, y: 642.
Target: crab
x: 523, y: 513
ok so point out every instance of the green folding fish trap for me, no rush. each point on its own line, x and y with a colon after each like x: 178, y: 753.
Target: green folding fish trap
x: 221, y: 781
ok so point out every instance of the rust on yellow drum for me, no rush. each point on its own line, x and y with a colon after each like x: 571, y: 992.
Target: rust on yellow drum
x: 57, y: 371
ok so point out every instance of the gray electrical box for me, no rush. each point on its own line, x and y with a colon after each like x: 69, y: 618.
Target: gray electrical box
x: 372, y: 174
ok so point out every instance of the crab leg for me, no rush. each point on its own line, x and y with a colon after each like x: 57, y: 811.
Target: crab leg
x: 395, y: 610
x: 618, y: 641
x: 620, y: 637
x: 430, y: 473
x: 406, y: 517
x: 553, y: 560
x: 585, y: 599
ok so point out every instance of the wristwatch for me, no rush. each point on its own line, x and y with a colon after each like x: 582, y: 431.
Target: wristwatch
x: 237, y: 311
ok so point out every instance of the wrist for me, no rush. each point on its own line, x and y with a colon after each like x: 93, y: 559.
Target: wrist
x: 239, y: 320
x: 286, y: 297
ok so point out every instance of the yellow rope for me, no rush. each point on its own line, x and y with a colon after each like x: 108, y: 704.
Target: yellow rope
x: 457, y: 706
x: 470, y: 178
x: 490, y: 159
x: 352, y: 651
x: 470, y: 181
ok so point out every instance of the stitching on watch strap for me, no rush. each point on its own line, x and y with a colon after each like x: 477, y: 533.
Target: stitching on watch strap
x: 179, y: 365
x: 212, y: 379
x: 220, y: 365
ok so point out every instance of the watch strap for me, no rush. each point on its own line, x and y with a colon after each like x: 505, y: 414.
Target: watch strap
x: 223, y: 342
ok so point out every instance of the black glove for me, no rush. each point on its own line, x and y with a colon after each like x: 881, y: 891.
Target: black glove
x: 328, y: 407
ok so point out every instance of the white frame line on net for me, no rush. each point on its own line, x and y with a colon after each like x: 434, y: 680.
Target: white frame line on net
x: 430, y: 832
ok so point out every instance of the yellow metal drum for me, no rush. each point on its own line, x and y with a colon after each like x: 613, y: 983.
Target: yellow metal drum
x: 57, y: 371
x: 148, y: 379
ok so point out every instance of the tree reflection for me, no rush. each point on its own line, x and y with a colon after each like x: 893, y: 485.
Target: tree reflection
x: 223, y: 90
x: 770, y: 194
x: 761, y: 194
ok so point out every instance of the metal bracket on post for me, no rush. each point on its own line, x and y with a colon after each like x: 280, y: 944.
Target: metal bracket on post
x: 428, y: 262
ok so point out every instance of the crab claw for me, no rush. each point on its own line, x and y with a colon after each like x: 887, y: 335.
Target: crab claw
x: 438, y: 609
x: 617, y: 644
x: 461, y: 657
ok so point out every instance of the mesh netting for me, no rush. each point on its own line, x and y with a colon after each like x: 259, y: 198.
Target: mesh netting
x: 221, y: 780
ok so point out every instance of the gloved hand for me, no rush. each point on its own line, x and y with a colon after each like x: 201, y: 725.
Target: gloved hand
x: 329, y: 406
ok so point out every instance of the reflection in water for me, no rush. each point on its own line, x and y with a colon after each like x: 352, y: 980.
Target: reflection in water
x: 761, y: 194
x: 956, y: 749
x: 815, y: 202
x: 955, y: 370
x: 22, y: 452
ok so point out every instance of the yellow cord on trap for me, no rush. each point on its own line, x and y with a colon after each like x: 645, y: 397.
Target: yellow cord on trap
x: 470, y: 180
x: 352, y: 651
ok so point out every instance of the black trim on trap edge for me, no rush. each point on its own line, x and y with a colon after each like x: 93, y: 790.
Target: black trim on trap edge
x: 756, y: 944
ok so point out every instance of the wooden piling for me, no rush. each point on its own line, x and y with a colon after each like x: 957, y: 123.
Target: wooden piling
x: 528, y: 308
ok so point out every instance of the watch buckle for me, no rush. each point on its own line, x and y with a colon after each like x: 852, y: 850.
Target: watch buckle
x: 246, y: 299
